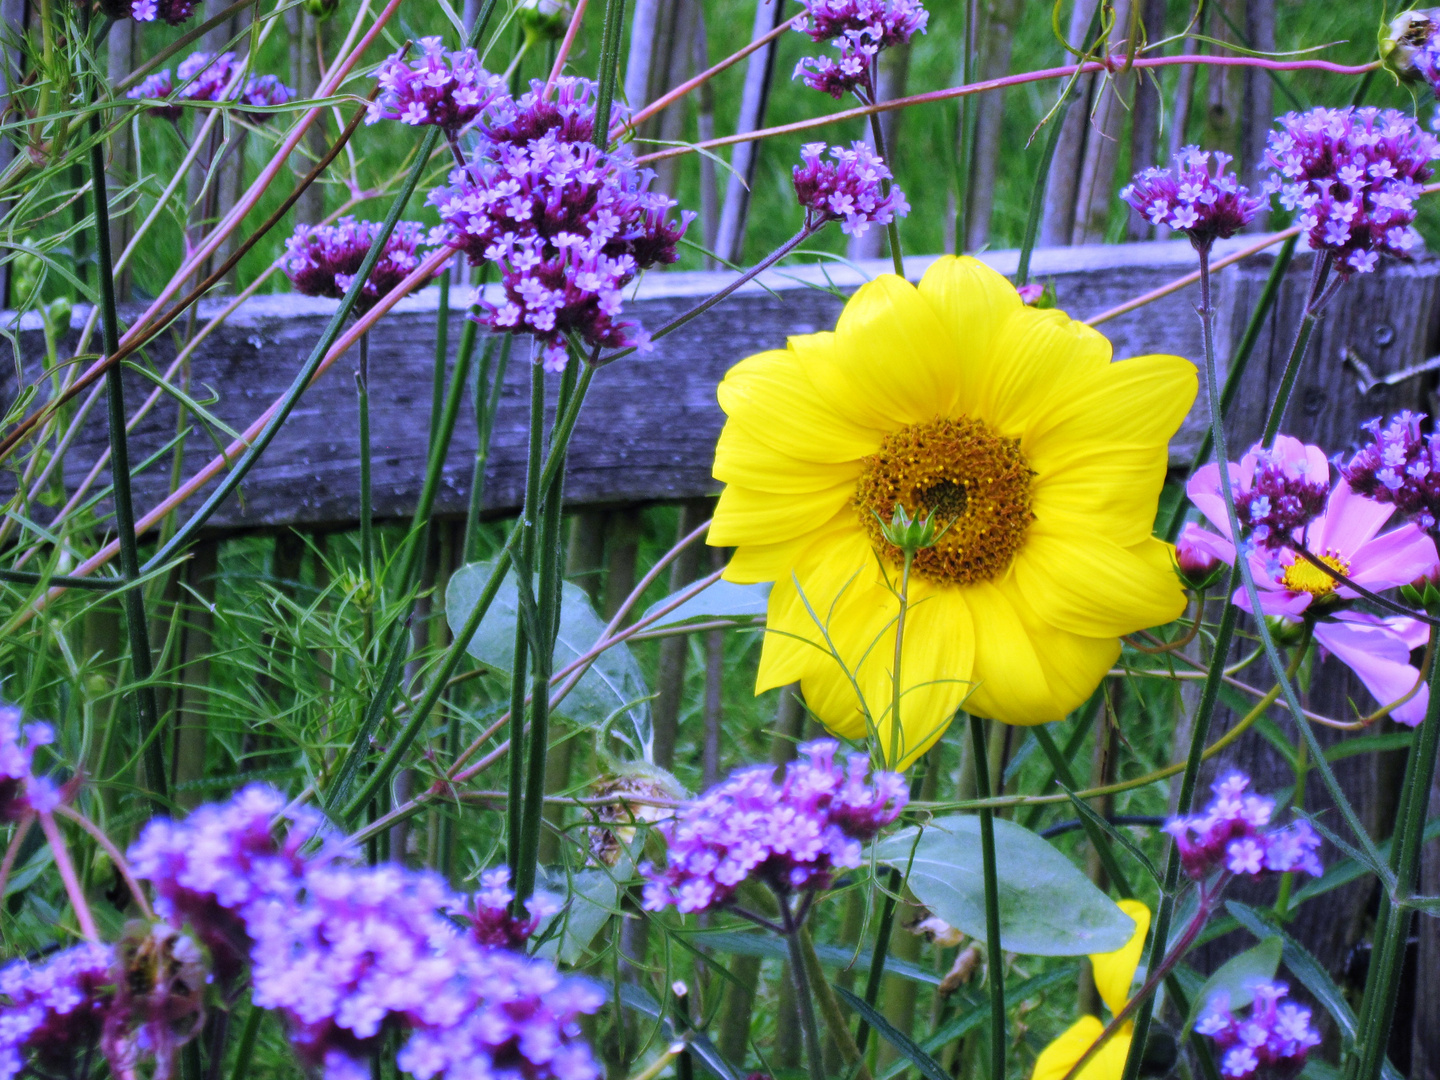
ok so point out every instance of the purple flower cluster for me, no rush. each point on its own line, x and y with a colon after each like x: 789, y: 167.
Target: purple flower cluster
x: 492, y: 920
x: 860, y: 29
x: 1280, y: 490
x: 173, y: 12
x: 54, y: 1010
x: 1271, y: 1041
x: 1190, y: 199
x: 344, y: 952
x: 447, y: 89
x: 850, y: 189
x: 1353, y: 174
x: 568, y: 224
x: 1400, y: 466
x: 203, y: 76
x: 793, y: 835
x: 21, y: 791
x: 322, y: 260
x: 1233, y: 833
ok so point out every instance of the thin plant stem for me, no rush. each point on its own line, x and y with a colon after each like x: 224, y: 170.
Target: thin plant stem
x: 1037, y: 193
x: 804, y: 999
x: 442, y: 352
x: 609, y: 69
x: 1320, y: 269
x: 12, y: 851
x: 116, y: 858
x: 995, y: 956
x: 895, y: 682
x: 143, y: 704
x: 246, y: 1049
x: 66, y: 869
x: 892, y: 230
x: 489, y: 383
x: 835, y: 1025
x: 367, y: 508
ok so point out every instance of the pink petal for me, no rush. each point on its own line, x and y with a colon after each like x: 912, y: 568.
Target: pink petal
x: 1380, y: 658
x: 1204, y: 491
x: 1350, y: 522
x: 1399, y: 557
x: 1206, y: 542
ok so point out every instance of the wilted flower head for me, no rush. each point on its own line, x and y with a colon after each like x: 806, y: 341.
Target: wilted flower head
x: 849, y: 189
x: 793, y: 835
x: 21, y: 791
x: 446, y: 89
x: 1410, y: 46
x: 210, y: 868
x: 568, y: 224
x: 1233, y: 832
x: 1400, y: 466
x: 1188, y: 198
x: 160, y: 978
x: 1353, y: 174
x: 1272, y: 1040
x: 322, y: 260
x: 52, y: 1011
x: 173, y: 12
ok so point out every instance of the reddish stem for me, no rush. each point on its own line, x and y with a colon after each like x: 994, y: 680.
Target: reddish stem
x: 560, y: 57
x: 69, y: 877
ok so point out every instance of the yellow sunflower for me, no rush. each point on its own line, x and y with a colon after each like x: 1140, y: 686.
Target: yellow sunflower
x: 1114, y: 974
x: 1011, y: 424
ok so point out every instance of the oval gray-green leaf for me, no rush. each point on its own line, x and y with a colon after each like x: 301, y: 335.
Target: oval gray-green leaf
x: 720, y: 600
x: 613, y: 684
x: 1238, y: 976
x: 1047, y: 906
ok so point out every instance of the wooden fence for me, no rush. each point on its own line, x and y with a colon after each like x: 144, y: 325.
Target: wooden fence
x: 648, y: 430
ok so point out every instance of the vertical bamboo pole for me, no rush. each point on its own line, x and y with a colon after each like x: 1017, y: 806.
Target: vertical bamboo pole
x: 997, y: 43
x: 1057, y: 223
x: 675, y: 651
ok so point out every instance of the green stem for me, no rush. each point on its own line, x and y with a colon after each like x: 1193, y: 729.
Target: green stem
x: 243, y: 1053
x: 367, y: 508
x: 1096, y: 835
x: 1037, y: 193
x: 442, y: 352
x: 143, y: 703
x: 892, y: 230
x: 995, y: 957
x: 966, y: 168
x: 1320, y: 270
x: 489, y: 381
x: 895, y: 685
x: 804, y: 999
x: 609, y: 70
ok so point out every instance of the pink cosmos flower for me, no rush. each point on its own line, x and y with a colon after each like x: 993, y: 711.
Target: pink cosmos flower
x: 1346, y: 536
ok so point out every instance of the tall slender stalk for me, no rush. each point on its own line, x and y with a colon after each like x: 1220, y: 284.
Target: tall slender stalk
x: 1314, y: 301
x: 367, y: 507
x: 144, y: 707
x: 995, y: 956
x: 892, y: 230
x: 804, y: 997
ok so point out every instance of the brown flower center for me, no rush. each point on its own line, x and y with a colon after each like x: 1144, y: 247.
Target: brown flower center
x: 975, y: 482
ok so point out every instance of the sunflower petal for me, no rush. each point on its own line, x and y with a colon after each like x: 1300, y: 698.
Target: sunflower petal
x: 1115, y: 971
x: 1057, y: 1059
x: 973, y: 302
x: 1060, y: 355
x: 743, y: 516
x: 1111, y: 491
x: 1093, y: 587
x: 741, y: 458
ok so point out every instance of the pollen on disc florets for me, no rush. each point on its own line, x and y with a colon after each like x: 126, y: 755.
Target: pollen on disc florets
x: 1302, y: 576
x: 977, y: 484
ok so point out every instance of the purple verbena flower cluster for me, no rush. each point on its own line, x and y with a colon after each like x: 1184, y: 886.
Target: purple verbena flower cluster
x: 860, y: 30
x: 568, y: 224
x: 492, y: 920
x: 1400, y: 466
x: 1233, y: 833
x: 322, y: 260
x: 1272, y: 1040
x: 1190, y: 199
x: 173, y: 12
x: 344, y: 951
x: 850, y: 189
x: 53, y: 1011
x: 204, y: 76
x: 793, y: 835
x: 21, y: 791
x: 446, y: 89
x: 1353, y: 174
x: 1280, y: 492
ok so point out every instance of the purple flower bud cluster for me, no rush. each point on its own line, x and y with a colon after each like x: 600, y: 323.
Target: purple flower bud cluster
x: 446, y: 89
x: 1399, y: 466
x: 173, y: 12
x: 53, y: 1011
x: 1272, y: 1040
x: 860, y: 29
x: 850, y: 189
x: 1233, y: 833
x: 322, y: 260
x: 1281, y: 489
x: 793, y: 835
x: 21, y: 791
x: 494, y: 923
x: 568, y: 224
x: 1353, y: 174
x: 344, y: 951
x: 203, y: 76
x: 1190, y: 199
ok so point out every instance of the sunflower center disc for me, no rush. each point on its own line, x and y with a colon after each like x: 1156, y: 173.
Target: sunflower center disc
x: 977, y: 484
x: 1300, y: 576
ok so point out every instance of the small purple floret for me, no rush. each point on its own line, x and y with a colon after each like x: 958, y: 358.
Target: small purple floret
x: 492, y: 922
x: 793, y: 835
x: 849, y: 189
x: 322, y: 260
x: 1280, y: 491
x: 1233, y: 832
x: 1401, y: 466
x: 446, y: 89
x: 54, y: 1010
x: 204, y: 76
x: 173, y: 12
x: 860, y: 30
x: 21, y: 791
x: 1353, y: 175
x: 1190, y: 199
x: 1273, y: 1037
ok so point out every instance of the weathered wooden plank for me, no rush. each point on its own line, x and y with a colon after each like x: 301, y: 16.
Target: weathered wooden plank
x: 648, y: 430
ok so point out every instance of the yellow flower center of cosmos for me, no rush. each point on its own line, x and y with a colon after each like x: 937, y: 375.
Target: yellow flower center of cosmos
x: 977, y: 484
x: 1301, y: 576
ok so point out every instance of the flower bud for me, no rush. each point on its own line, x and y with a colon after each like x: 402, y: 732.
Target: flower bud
x: 1031, y: 294
x: 1195, y: 557
x: 1403, y: 39
x: 910, y: 534
x: 543, y: 20
x: 321, y: 9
